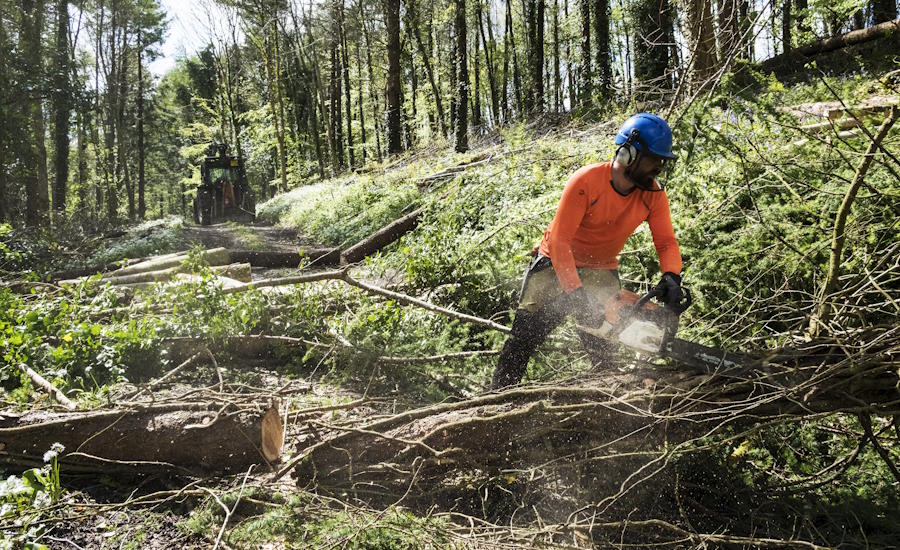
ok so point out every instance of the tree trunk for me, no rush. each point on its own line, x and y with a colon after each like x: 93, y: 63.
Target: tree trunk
x: 517, y: 80
x: 653, y: 19
x: 142, y: 204
x: 786, y: 26
x: 585, y: 85
x: 573, y: 92
x: 416, y: 32
x: 188, y: 438
x: 345, y: 66
x: 537, y: 70
x: 729, y: 27
x: 703, y: 41
x: 490, y: 49
x: 359, y: 96
x: 37, y: 203
x: 383, y: 237
x: 62, y: 90
x: 393, y: 83
x: 372, y: 92
x: 476, y: 90
x: 884, y: 10
x: 601, y: 28
x: 5, y: 111
x: 462, y: 78
x: 504, y: 87
x: 557, y: 77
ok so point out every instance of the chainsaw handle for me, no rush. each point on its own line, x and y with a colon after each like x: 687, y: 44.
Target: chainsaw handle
x: 678, y: 308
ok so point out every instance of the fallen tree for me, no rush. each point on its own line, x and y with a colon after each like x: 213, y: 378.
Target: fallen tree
x: 190, y: 438
x: 608, y: 436
x: 383, y: 237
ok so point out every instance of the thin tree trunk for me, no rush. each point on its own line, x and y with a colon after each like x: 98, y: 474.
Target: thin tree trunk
x: 63, y: 105
x: 37, y: 197
x: 279, y: 97
x: 393, y: 84
x: 557, y: 77
x: 490, y: 49
x: 601, y: 29
x: 315, y: 92
x: 517, y: 80
x: 142, y: 205
x: 476, y: 92
x: 569, y: 74
x: 505, y: 87
x: 345, y: 66
x: 426, y: 61
x: 883, y: 10
x: 372, y: 93
x: 585, y: 82
x: 538, y: 63
x: 362, y: 115
x: 462, y: 78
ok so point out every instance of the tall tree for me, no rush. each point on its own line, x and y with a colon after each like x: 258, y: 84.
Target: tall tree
x: 483, y: 19
x: 62, y: 104
x: 653, y: 25
x: 345, y: 67
x: 585, y: 78
x: 37, y: 200
x: 415, y: 30
x: 334, y: 90
x: 601, y: 37
x: 393, y: 83
x: 462, y: 78
x: 703, y: 41
x: 884, y: 10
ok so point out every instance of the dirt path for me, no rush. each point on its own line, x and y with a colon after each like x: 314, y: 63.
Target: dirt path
x: 244, y: 237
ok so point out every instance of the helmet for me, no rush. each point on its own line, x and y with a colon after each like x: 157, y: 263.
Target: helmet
x: 647, y: 133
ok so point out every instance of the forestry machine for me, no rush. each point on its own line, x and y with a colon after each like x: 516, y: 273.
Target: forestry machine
x: 638, y: 324
x: 223, y: 193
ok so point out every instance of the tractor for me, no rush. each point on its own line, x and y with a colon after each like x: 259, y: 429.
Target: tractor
x: 223, y: 193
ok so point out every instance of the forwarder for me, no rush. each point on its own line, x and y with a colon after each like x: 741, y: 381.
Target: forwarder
x: 223, y: 193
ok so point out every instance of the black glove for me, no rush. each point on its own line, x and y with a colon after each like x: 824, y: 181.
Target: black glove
x: 669, y: 291
x: 580, y: 303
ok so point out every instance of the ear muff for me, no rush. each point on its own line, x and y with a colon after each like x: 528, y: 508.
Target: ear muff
x: 626, y: 154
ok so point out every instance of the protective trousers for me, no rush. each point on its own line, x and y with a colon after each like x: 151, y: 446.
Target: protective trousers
x: 542, y: 307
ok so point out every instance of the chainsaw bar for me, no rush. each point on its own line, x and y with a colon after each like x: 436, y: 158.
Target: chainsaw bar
x: 703, y: 357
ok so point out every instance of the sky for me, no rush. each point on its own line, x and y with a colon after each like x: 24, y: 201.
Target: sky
x: 189, y: 31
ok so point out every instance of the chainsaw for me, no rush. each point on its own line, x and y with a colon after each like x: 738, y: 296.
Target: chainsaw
x: 641, y: 325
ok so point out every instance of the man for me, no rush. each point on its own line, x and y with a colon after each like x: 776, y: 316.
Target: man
x: 575, y: 270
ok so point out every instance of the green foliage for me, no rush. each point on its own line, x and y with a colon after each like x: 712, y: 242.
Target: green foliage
x: 145, y: 239
x: 302, y: 522
x: 25, y: 498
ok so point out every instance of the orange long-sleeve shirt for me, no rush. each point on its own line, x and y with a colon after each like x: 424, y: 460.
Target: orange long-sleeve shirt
x: 593, y: 221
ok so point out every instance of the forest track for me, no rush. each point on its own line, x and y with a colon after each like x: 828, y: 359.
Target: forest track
x: 245, y: 237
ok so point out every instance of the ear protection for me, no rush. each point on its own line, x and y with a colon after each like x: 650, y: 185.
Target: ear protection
x: 626, y: 154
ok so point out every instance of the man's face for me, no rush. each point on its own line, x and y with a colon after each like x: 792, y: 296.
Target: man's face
x: 647, y: 168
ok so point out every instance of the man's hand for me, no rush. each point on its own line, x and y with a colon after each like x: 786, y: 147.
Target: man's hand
x: 582, y: 305
x: 670, y: 292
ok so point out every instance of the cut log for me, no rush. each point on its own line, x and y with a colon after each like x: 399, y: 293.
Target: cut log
x: 184, y: 438
x: 383, y: 237
x: 240, y: 272
x: 213, y: 256
x: 303, y: 256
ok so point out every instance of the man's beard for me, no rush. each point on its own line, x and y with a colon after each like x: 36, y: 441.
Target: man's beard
x: 643, y: 179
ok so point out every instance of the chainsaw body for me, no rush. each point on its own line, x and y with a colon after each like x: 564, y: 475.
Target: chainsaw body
x: 636, y: 323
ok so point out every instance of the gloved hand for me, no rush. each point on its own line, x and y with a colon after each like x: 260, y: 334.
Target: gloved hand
x: 582, y: 305
x: 669, y: 290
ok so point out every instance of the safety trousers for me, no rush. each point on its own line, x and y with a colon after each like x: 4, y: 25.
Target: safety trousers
x: 543, y: 306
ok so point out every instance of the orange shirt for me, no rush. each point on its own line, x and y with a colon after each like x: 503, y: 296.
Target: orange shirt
x: 593, y: 221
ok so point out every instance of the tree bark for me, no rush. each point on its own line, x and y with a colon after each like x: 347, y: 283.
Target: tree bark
x: 462, y: 78
x: 653, y: 19
x: 604, y: 66
x: 383, y: 237
x: 37, y: 200
x: 345, y: 67
x: 703, y: 41
x: 393, y: 83
x: 62, y: 90
x: 142, y: 203
x: 372, y: 92
x: 585, y: 77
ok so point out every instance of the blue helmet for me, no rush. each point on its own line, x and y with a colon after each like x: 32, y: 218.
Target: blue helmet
x: 647, y: 133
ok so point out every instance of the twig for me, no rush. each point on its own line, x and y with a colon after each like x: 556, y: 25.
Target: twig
x: 42, y: 383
